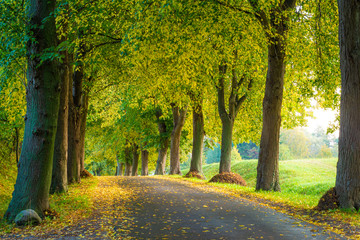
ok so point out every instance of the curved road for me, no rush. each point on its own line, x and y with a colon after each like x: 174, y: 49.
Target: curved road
x: 166, y: 209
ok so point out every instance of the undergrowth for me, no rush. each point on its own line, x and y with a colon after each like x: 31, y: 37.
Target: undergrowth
x: 71, y: 207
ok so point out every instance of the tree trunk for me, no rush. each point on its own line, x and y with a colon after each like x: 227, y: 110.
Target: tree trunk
x: 128, y: 161
x: 120, y: 166
x: 161, y: 162
x: 121, y: 169
x: 348, y: 166
x: 74, y: 149
x: 127, y: 169
x: 228, y: 117
x: 59, y: 182
x: 275, y: 27
x: 84, y: 111
x: 179, y: 117
x: 43, y: 93
x: 226, y: 145
x: 135, y: 160
x: 144, y: 162
x: 71, y: 164
x: 198, y: 140
x: 164, y: 144
x: 268, y: 164
x: 74, y: 143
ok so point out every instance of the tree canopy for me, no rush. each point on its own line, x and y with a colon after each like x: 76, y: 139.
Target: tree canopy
x: 165, y: 76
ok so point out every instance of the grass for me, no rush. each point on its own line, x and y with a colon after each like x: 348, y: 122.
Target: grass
x: 302, y: 181
x: 71, y: 207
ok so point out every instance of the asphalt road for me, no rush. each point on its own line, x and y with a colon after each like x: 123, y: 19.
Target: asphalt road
x: 165, y: 209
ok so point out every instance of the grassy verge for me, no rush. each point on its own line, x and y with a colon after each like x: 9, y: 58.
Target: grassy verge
x: 71, y: 207
x: 302, y: 182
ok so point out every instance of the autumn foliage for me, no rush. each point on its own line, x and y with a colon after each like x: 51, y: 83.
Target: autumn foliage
x: 228, y: 177
x: 85, y: 174
x: 194, y: 174
x: 330, y: 200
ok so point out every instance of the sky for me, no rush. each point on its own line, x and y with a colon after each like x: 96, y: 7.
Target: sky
x: 322, y: 118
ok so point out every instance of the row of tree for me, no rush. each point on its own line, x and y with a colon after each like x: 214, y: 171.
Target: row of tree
x: 144, y: 64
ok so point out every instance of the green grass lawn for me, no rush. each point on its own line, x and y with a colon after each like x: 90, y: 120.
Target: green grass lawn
x: 302, y: 181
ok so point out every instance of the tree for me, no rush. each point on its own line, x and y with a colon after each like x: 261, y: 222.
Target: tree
x: 128, y: 160
x: 75, y: 113
x: 12, y: 78
x: 284, y: 152
x: 179, y: 116
x: 144, y: 162
x: 164, y: 143
x: 135, y: 159
x: 213, y: 154
x: 297, y: 141
x: 275, y: 23
x: 228, y: 117
x: 43, y: 92
x: 198, y: 137
x: 348, y: 167
x: 59, y: 181
x: 248, y: 150
x: 119, y: 166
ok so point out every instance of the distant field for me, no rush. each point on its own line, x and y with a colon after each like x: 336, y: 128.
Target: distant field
x: 305, y: 178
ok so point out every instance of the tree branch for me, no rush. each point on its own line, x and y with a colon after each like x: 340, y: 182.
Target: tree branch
x: 240, y: 83
x: 260, y: 14
x: 221, y: 93
x: 102, y: 44
x: 240, y: 101
x: 288, y: 4
x: 104, y: 35
x: 176, y: 114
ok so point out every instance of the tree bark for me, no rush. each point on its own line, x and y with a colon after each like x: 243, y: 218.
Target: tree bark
x: 59, y: 182
x: 268, y: 164
x: 43, y: 94
x: 161, y: 162
x: 275, y: 27
x: 74, y: 149
x: 144, y: 162
x: 135, y: 160
x: 348, y: 166
x: 179, y: 116
x: 121, y: 169
x: 84, y: 111
x: 72, y: 162
x: 226, y: 145
x: 128, y: 169
x: 198, y: 140
x: 164, y: 144
x: 128, y: 161
x: 120, y: 166
x: 228, y: 117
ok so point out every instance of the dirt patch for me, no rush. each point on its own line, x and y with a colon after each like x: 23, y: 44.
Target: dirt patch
x: 329, y: 200
x: 194, y: 174
x: 228, y: 177
x: 85, y: 174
